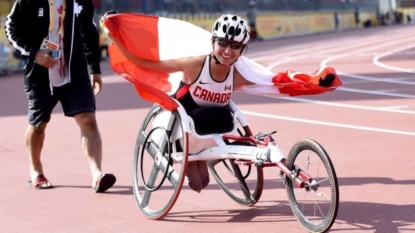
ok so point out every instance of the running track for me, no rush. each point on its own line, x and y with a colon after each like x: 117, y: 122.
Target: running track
x: 367, y: 126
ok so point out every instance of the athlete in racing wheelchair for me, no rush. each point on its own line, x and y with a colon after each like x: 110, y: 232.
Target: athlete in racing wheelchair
x: 196, y: 127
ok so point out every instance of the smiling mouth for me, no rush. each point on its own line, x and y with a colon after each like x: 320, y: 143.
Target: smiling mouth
x: 226, y: 57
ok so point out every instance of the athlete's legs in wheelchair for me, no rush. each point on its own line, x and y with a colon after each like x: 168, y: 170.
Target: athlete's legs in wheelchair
x: 197, y: 172
x: 207, y: 121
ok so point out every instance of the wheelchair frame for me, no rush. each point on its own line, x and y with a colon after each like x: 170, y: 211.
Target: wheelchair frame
x: 260, y: 150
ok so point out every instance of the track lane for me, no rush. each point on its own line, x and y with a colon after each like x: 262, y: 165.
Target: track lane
x: 374, y: 168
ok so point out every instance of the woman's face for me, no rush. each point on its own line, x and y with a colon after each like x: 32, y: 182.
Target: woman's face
x: 226, y: 51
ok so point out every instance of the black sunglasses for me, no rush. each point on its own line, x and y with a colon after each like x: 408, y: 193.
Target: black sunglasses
x: 224, y: 43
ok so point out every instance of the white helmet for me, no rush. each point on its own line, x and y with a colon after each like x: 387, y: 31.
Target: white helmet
x: 231, y: 27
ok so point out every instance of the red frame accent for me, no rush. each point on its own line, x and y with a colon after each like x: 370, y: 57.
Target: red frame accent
x: 298, y: 180
x: 305, y: 176
x: 239, y: 138
x: 300, y: 183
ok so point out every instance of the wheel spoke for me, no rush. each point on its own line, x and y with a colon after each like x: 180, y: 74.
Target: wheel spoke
x: 318, y: 207
x: 323, y: 194
x: 304, y: 201
x: 321, y: 181
x: 150, y: 184
x: 244, y: 194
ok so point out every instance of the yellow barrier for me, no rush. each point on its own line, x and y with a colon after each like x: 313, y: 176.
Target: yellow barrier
x: 5, y: 6
x: 2, y: 32
x: 346, y: 20
x: 364, y: 16
x: 277, y: 25
x: 274, y: 25
x: 271, y: 24
x: 410, y: 12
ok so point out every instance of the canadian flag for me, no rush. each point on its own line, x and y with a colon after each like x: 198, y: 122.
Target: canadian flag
x: 158, y: 38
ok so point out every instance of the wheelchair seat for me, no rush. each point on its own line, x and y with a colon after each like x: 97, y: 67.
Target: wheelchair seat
x: 162, y: 119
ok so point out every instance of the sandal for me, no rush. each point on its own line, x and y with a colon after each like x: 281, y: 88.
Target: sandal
x: 40, y: 183
x: 106, y: 181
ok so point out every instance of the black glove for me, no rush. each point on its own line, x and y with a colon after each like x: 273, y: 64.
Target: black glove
x: 326, y: 81
x: 104, y: 17
x: 111, y: 12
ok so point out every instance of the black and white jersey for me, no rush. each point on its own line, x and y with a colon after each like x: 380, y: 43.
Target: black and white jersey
x: 205, y: 91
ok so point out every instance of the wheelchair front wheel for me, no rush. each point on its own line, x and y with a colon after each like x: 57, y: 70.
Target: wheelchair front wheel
x: 316, y: 205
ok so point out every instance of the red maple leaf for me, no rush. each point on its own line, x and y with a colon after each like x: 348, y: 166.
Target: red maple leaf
x: 60, y: 9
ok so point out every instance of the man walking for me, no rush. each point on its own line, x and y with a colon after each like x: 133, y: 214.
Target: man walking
x: 59, y: 42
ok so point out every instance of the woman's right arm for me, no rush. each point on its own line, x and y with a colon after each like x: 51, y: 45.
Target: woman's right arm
x: 167, y: 66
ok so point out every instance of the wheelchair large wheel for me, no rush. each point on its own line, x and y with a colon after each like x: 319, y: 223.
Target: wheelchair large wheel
x: 248, y: 189
x: 160, y: 162
x: 316, y: 205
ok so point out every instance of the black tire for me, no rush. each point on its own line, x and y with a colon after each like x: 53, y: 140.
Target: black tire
x: 318, y: 214
x: 250, y: 192
x: 161, y: 178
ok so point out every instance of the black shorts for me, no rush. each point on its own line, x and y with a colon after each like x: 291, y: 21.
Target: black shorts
x: 75, y: 98
x: 212, y: 120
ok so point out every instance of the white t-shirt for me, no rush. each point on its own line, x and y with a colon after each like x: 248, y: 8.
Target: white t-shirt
x: 58, y: 74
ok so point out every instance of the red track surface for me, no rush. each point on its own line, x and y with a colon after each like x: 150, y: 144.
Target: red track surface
x: 367, y: 127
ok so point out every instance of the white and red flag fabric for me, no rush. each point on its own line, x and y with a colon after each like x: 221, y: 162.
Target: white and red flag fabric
x: 159, y: 38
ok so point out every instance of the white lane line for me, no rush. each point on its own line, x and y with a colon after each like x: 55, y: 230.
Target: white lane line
x: 289, y: 54
x: 356, y: 76
x: 392, y: 90
x: 322, y: 50
x: 392, y: 109
x: 367, y: 54
x: 340, y: 47
x: 368, y: 79
x: 375, y: 92
x: 290, y: 48
x: 390, y: 43
x: 357, y: 82
x: 376, y: 79
x: 389, y: 67
x: 342, y: 40
x: 329, y: 124
x: 404, y: 78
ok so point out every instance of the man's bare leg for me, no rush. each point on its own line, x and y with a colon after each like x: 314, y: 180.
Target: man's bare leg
x: 91, y: 143
x: 34, y: 142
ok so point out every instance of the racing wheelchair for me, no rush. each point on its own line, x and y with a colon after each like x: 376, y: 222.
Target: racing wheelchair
x: 162, y: 152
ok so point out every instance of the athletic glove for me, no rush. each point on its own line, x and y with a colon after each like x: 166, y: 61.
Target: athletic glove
x: 326, y: 81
